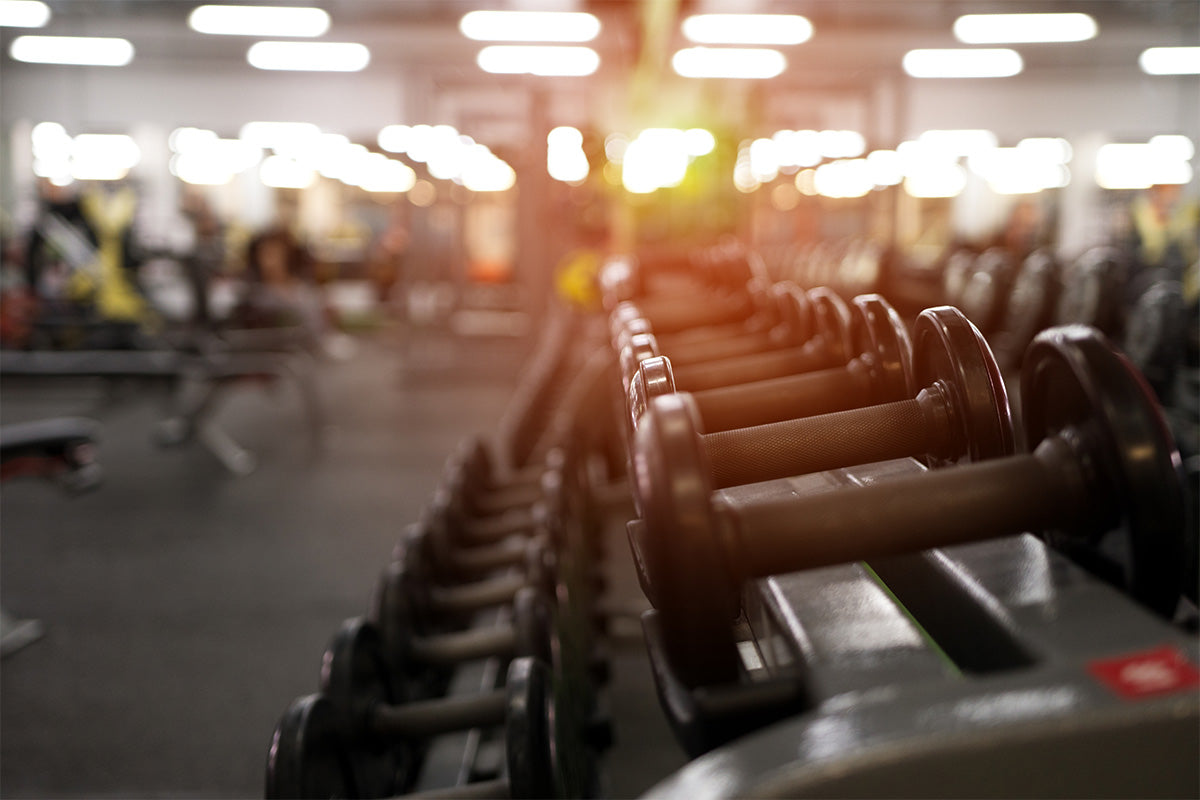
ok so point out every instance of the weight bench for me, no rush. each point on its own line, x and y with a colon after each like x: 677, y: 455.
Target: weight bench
x: 210, y: 373
x: 61, y: 449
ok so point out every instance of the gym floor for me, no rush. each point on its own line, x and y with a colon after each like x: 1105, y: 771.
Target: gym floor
x: 185, y: 607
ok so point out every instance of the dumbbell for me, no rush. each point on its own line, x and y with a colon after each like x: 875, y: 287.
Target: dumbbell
x: 474, y: 461
x: 955, y: 275
x: 431, y: 540
x: 1101, y: 459
x: 482, y: 502
x: 986, y: 289
x: 1030, y: 306
x: 960, y: 412
x: 829, y: 345
x: 880, y: 372
x: 1156, y: 335
x: 412, y: 654
x: 1091, y: 293
x: 312, y: 754
x: 451, y: 506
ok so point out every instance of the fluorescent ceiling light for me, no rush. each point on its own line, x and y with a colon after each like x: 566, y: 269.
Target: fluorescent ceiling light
x: 309, y: 56
x: 534, y: 60
x: 955, y: 63
x: 280, y: 172
x: 1173, y: 146
x: 529, y: 26
x: 85, y: 51
x: 731, y: 62
x: 1010, y: 28
x: 23, y: 14
x: 747, y: 29
x: 1170, y: 61
x: 1140, y: 166
x: 259, y: 20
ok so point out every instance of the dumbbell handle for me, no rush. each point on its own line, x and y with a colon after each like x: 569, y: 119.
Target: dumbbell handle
x: 471, y: 645
x: 468, y: 597
x: 718, y: 349
x: 829, y: 441
x: 813, y: 356
x: 1046, y: 490
x: 480, y: 561
x: 489, y: 530
x: 423, y: 719
x: 808, y: 394
x: 673, y: 316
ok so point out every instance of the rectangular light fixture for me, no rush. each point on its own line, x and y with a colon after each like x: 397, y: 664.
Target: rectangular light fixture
x: 780, y: 29
x: 309, y: 56
x: 259, y: 20
x: 23, y: 14
x: 728, y: 62
x: 529, y: 26
x: 1013, y: 28
x: 997, y: 62
x: 84, y: 51
x: 544, y: 60
x: 1170, y: 61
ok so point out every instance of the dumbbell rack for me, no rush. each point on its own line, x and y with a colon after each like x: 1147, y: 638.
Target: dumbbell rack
x: 995, y: 668
x: 998, y: 668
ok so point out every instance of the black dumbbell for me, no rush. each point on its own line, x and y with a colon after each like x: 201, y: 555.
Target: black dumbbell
x: 778, y: 322
x: 880, y: 372
x: 312, y: 755
x: 955, y: 274
x: 412, y: 654
x: 1092, y: 291
x: 451, y: 506
x: 472, y: 458
x: 986, y: 290
x: 1156, y: 335
x: 1030, y: 307
x: 1101, y: 459
x: 484, y: 502
x: 829, y: 345
x: 960, y: 412
x: 431, y: 540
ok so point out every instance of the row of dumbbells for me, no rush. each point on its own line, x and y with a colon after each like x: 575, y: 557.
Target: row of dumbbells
x: 496, y: 573
x: 800, y: 382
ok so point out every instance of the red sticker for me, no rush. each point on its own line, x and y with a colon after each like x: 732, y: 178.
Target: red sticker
x: 1147, y: 674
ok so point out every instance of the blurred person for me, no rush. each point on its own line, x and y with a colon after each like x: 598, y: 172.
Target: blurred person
x: 1165, y: 229
x: 385, y: 261
x: 81, y: 263
x: 281, y: 292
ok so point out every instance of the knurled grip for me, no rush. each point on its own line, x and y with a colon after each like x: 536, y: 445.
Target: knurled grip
x: 776, y: 399
x: 759, y: 366
x: 817, y: 444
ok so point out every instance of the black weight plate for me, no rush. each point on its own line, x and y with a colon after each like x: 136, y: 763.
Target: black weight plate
x: 1032, y: 299
x: 529, y: 730
x: 307, y: 757
x: 1155, y: 334
x: 354, y: 674
x: 984, y: 293
x: 948, y: 349
x: 1091, y: 291
x: 1074, y: 381
x: 880, y: 336
x: 682, y: 556
x: 641, y: 346
x: 533, y: 619
x: 831, y: 322
x: 955, y: 275
x: 654, y: 377
x: 794, y: 312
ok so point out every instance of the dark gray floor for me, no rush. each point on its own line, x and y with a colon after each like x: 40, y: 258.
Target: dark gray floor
x: 184, y: 608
